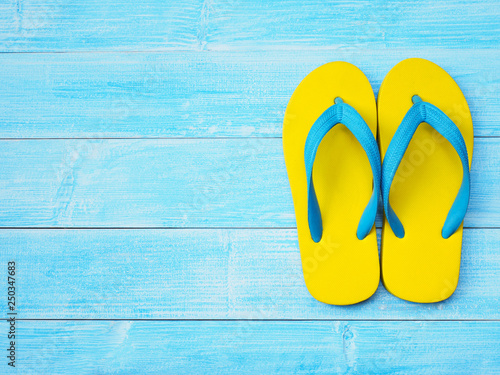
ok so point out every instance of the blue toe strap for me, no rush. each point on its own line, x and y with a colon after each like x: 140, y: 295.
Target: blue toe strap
x: 430, y: 114
x: 345, y: 114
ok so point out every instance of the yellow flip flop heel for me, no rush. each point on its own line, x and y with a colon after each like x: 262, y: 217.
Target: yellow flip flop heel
x: 330, y: 122
x: 426, y: 140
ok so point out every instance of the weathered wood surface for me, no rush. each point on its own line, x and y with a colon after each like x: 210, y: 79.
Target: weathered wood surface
x: 200, y: 94
x: 211, y: 274
x: 173, y: 347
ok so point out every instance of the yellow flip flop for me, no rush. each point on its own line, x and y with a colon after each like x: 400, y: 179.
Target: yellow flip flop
x: 336, y: 200
x: 426, y: 140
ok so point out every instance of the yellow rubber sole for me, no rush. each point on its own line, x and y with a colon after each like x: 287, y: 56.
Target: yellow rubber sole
x: 340, y: 269
x: 423, y: 266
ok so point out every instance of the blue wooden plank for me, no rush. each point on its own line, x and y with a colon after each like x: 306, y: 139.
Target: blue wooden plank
x: 62, y: 25
x: 350, y: 24
x: 127, y: 347
x: 210, y: 274
x: 175, y: 183
x: 200, y: 94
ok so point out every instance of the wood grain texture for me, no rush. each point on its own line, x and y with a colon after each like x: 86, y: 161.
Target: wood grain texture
x: 62, y: 25
x: 211, y: 274
x: 222, y: 94
x: 126, y: 347
x: 176, y: 183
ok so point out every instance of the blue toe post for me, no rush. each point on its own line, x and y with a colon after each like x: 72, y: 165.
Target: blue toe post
x: 425, y: 112
x: 343, y: 113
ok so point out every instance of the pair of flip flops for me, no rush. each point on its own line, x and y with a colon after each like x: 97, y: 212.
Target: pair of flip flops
x: 425, y: 140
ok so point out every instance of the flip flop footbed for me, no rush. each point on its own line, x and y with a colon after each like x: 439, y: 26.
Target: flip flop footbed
x: 340, y: 269
x: 422, y: 266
